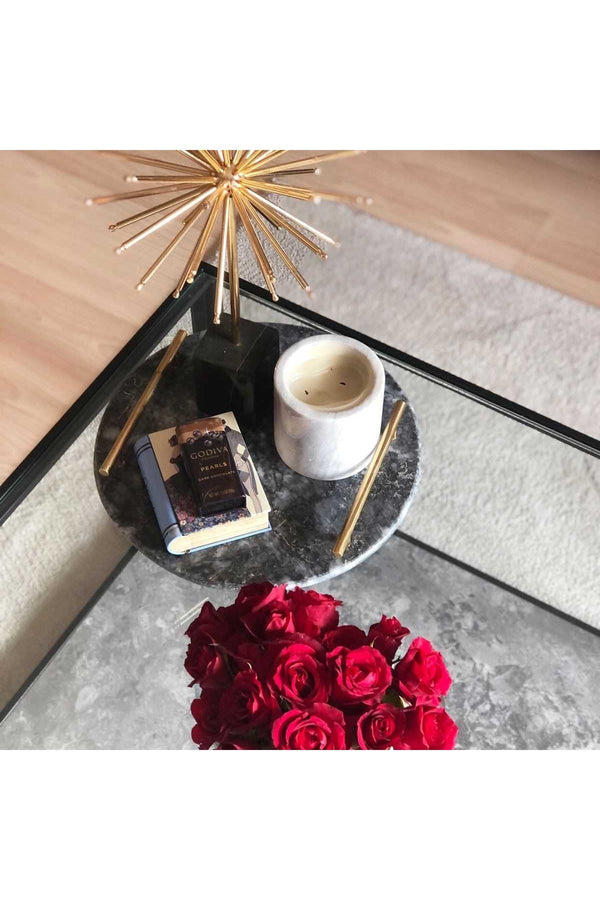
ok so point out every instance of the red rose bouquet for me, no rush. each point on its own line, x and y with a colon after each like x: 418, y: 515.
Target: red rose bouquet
x: 277, y: 671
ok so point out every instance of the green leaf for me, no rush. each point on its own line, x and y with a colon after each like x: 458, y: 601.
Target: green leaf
x: 395, y: 699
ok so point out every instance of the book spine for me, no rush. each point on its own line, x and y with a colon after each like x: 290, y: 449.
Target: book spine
x: 155, y: 485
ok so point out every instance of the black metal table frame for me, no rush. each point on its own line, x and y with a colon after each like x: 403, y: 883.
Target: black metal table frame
x: 197, y: 297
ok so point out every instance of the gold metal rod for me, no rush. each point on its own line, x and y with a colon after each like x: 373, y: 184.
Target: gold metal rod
x: 243, y: 160
x: 170, y: 247
x: 274, y: 211
x: 342, y: 198
x: 234, y: 284
x: 298, y: 193
x: 283, y: 172
x: 200, y: 248
x: 131, y: 195
x: 206, y: 156
x: 151, y: 161
x: 251, y: 156
x: 311, y: 160
x: 141, y: 403
x: 277, y: 246
x: 226, y: 157
x: 260, y: 254
x: 218, y: 306
x: 264, y: 211
x: 266, y: 216
x: 238, y: 156
x: 264, y: 157
x: 294, y: 219
x: 202, y: 206
x: 168, y: 204
x: 174, y: 214
x: 197, y: 160
x: 175, y: 179
x: 181, y: 282
x: 387, y: 436
x: 263, y: 262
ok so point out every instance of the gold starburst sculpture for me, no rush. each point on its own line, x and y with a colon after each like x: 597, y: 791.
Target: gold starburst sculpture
x: 227, y: 185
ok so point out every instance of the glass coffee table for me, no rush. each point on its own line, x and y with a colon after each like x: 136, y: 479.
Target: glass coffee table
x: 502, y: 530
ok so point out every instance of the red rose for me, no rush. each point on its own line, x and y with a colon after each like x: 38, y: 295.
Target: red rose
x: 421, y: 676
x: 247, y: 704
x: 261, y: 657
x: 386, y: 636
x: 321, y: 727
x: 208, y: 728
x: 381, y: 728
x: 299, y: 676
x: 264, y: 610
x: 430, y: 728
x: 206, y: 665
x: 216, y: 624
x: 345, y: 636
x: 359, y: 676
x: 313, y: 613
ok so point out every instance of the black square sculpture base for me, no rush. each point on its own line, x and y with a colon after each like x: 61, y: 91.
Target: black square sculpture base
x: 236, y: 377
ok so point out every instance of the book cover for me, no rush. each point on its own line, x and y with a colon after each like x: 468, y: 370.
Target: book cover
x: 183, y: 530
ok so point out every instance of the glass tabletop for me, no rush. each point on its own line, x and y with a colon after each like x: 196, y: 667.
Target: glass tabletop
x: 504, y: 490
x: 507, y: 509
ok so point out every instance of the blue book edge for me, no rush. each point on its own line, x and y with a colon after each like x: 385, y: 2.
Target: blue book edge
x: 155, y: 485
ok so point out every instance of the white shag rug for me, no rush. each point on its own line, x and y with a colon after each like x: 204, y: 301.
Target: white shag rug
x: 494, y: 494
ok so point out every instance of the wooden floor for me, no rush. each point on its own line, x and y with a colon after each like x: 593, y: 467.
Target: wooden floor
x: 67, y: 304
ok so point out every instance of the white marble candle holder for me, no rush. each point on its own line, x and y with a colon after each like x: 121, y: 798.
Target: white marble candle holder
x: 328, y: 406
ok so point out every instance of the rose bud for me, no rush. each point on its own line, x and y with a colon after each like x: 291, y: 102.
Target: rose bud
x: 264, y: 610
x: 247, y: 704
x: 321, y: 727
x: 430, y: 728
x: 421, y: 676
x: 358, y: 676
x: 299, y: 676
x: 386, y: 636
x: 313, y: 613
x: 382, y: 728
x: 345, y: 636
x: 208, y: 729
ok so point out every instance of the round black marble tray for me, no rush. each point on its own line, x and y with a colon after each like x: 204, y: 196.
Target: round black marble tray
x: 306, y: 515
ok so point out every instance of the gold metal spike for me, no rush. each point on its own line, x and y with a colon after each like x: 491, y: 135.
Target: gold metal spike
x: 151, y: 161
x: 218, y: 307
x: 168, y: 204
x: 170, y: 247
x: 234, y: 185
x: 276, y: 246
x: 261, y: 257
x: 234, y: 284
x: 200, y: 248
x: 131, y: 195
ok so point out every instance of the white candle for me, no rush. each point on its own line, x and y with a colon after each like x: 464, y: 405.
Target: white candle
x: 328, y: 406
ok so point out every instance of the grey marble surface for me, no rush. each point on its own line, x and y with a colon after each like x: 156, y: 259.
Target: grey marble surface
x: 306, y: 516
x: 523, y: 677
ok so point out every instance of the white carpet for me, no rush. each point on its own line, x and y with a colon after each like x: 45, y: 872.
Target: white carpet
x: 494, y: 494
x: 520, y: 339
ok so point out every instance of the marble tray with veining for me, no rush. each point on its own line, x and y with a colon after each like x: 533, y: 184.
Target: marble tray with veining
x: 306, y: 515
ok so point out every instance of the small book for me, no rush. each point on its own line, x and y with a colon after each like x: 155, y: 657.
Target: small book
x: 175, y: 505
